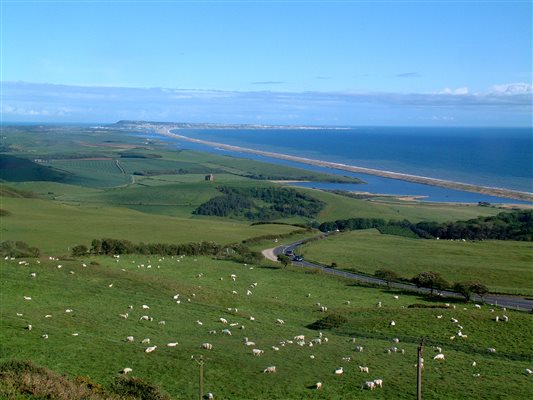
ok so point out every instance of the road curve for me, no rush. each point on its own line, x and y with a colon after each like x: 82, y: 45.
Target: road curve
x: 514, y: 302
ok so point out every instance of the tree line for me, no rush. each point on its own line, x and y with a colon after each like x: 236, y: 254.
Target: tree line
x: 109, y: 246
x: 515, y: 225
x: 274, y: 203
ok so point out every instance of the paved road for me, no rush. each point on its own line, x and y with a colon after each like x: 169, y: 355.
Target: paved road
x: 514, y: 302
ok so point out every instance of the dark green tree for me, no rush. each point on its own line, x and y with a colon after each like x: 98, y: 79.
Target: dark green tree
x: 431, y: 280
x: 387, y: 275
x: 284, y: 259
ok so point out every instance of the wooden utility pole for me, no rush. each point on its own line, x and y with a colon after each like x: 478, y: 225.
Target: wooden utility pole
x: 200, y: 363
x: 419, y: 366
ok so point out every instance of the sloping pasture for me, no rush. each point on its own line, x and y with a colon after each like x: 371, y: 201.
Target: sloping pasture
x: 98, y: 293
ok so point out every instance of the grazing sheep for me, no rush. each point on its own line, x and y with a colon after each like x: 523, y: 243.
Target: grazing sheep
x: 145, y: 307
x: 29, y: 327
x: 125, y: 316
x: 226, y: 332
x: 379, y: 304
x: 223, y: 320
x: 392, y: 323
x: 248, y: 343
x: 339, y: 371
x: 528, y: 371
x: 505, y: 318
x: 474, y: 364
x: 364, y: 369
x: 45, y: 336
x: 491, y: 350
x: 172, y: 344
x: 275, y: 348
x: 207, y: 346
x: 126, y: 371
x: 161, y: 322
x: 477, y: 306
x: 369, y: 385
x: 270, y: 370
x: 318, y: 385
x: 69, y: 310
x: 454, y: 320
x: 252, y: 318
x: 210, y: 396
x: 129, y: 339
x: 396, y: 340
x: 27, y: 298
x: 396, y: 297
x: 150, y: 349
x: 146, y: 341
x: 299, y: 337
x: 257, y: 352
x: 439, y: 356
x: 378, y: 382
x: 280, y: 321
x: 359, y: 349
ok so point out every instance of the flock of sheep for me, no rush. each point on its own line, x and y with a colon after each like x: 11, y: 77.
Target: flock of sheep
x: 223, y: 326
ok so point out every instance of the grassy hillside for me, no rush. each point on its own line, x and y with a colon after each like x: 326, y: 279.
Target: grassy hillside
x: 504, y: 266
x: 98, y: 293
x: 55, y: 227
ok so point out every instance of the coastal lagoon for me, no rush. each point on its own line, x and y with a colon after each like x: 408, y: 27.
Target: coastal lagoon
x: 497, y: 157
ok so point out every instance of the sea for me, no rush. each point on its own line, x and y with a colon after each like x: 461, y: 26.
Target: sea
x: 495, y: 157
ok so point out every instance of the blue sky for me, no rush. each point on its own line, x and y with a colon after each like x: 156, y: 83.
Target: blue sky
x: 294, y: 62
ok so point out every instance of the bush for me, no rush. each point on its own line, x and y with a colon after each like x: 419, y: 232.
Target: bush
x: 18, y: 249
x: 137, y: 388
x: 329, y: 322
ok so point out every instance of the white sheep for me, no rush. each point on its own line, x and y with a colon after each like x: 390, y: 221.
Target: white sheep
x: 27, y: 298
x: 392, y: 323
x: 207, y: 346
x: 439, y: 356
x: 369, y: 385
x: 318, y: 385
x: 359, y: 349
x: 339, y: 371
x: 257, y: 352
x: 126, y: 371
x: 150, y: 349
x: 280, y: 321
x: 129, y: 339
x: 378, y: 382
x: 364, y: 369
x: 223, y: 320
x: 226, y: 332
x: 270, y: 370
x: 146, y: 341
x: 172, y: 344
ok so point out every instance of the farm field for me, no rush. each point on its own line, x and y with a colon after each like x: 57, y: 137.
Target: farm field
x: 98, y: 293
x: 504, y: 266
x: 57, y: 227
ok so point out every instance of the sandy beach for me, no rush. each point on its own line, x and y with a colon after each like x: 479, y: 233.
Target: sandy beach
x: 500, y: 192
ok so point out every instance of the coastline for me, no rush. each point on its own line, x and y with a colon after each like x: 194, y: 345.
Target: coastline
x: 500, y: 192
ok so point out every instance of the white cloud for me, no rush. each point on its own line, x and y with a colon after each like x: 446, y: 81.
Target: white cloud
x: 512, y: 88
x: 457, y: 92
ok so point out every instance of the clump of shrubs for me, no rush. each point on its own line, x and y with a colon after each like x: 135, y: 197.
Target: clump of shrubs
x: 328, y: 322
x: 18, y: 249
x: 138, y: 389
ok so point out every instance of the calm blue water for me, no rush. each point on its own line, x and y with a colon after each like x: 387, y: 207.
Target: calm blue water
x: 499, y: 157
x: 490, y: 157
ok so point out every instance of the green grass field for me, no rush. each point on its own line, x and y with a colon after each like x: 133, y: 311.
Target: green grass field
x: 100, y: 349
x: 55, y: 228
x: 504, y: 266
